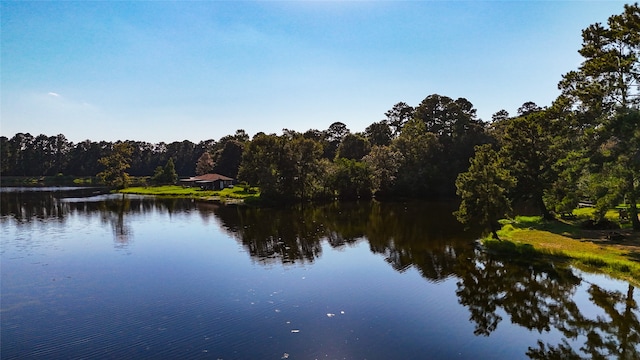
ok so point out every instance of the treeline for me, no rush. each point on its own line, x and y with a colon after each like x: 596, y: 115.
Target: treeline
x: 415, y: 152
x: 26, y: 155
x: 584, y: 146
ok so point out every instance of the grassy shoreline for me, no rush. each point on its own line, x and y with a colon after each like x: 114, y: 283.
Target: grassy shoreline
x: 237, y: 194
x: 59, y: 180
x: 613, y: 252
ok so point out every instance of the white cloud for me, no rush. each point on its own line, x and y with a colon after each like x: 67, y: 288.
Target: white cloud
x: 51, y: 93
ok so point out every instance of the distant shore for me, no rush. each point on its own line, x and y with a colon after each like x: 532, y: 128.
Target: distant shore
x: 60, y: 180
x: 233, y: 195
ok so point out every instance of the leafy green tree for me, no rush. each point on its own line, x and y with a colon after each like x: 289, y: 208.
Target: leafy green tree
x: 528, y: 108
x: 333, y: 136
x: 604, y: 94
x: 619, y: 159
x: 378, y: 134
x: 285, y: 168
x: 568, y: 189
x: 561, y: 150
x: 165, y: 174
x: 183, y: 155
x: 484, y: 190
x: 606, y: 169
x: 158, y: 175
x: 610, y: 73
x: 59, y: 148
x: 383, y: 163
x: 145, y: 158
x: 353, y: 147
x: 457, y: 129
x: 41, y: 151
x: 500, y: 115
x: 6, y: 152
x: 204, y: 164
x: 259, y: 166
x: 350, y: 179
x: 227, y: 160
x: 444, y: 116
x: 22, y: 159
x: 170, y: 175
x: 418, y: 174
x: 299, y: 167
x: 527, y: 146
x: 241, y: 135
x: 83, y: 158
x: 116, y: 165
x: 399, y: 115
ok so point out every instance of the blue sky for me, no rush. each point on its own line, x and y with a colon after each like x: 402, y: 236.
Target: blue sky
x: 169, y: 71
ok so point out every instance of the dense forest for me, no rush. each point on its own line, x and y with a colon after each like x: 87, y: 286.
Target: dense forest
x: 583, y: 146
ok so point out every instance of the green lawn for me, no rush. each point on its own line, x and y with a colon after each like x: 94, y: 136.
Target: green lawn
x: 236, y: 192
x: 588, y: 249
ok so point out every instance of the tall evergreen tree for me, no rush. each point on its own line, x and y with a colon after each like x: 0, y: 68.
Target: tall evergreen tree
x: 609, y: 76
x: 170, y: 174
x: 527, y: 148
x: 484, y: 190
x: 605, y: 95
x: 418, y: 174
x: 399, y: 115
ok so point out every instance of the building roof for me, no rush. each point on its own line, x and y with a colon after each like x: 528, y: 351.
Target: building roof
x: 208, y: 177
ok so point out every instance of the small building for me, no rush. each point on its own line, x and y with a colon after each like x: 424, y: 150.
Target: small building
x: 208, y: 181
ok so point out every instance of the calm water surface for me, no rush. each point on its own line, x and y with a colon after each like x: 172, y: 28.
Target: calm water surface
x: 86, y: 275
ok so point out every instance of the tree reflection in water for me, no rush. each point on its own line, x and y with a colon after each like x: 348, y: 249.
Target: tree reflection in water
x: 112, y: 213
x: 535, y: 295
x: 28, y: 207
x: 538, y: 296
x: 400, y: 231
x: 614, y: 336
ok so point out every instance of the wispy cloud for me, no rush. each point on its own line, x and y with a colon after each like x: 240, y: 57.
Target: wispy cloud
x: 43, y: 113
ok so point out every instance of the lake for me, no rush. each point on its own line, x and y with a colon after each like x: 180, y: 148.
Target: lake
x: 104, y: 276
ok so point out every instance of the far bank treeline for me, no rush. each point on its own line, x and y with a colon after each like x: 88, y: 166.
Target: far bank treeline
x: 583, y: 146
